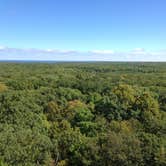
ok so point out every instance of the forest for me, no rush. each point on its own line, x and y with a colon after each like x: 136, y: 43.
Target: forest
x: 83, y: 114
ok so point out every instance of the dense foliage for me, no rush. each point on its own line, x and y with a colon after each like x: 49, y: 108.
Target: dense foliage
x: 83, y: 114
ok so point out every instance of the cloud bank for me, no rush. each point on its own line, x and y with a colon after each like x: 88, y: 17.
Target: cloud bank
x: 137, y: 54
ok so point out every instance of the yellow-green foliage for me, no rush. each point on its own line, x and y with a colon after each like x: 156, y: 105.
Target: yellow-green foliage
x: 125, y: 93
x: 3, y: 87
x: 62, y: 163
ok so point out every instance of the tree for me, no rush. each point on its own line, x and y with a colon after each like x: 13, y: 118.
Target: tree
x: 120, y: 149
x: 125, y: 102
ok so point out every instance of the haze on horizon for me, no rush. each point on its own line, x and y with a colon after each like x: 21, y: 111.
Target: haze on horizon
x: 83, y: 30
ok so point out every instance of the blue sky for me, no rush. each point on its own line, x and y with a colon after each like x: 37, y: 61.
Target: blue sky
x: 83, y: 29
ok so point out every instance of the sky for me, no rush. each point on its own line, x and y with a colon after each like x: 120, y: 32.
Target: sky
x: 104, y: 30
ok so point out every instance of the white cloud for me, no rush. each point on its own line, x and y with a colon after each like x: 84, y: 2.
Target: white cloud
x: 138, y: 51
x: 49, y: 50
x: 2, y: 47
x: 102, y: 51
x: 59, y: 51
x: 138, y: 54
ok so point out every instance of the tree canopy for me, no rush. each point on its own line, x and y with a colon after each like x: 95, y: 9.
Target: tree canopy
x: 82, y: 114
